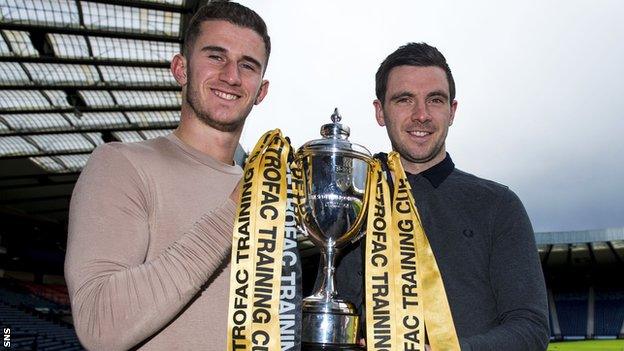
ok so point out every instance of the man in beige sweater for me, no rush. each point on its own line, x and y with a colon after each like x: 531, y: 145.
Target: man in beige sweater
x: 150, y: 224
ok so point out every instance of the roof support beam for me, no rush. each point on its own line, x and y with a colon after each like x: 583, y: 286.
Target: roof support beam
x: 615, y: 254
x: 145, y: 5
x: 38, y: 176
x: 91, y: 130
x: 92, y: 87
x: 54, y: 153
x: 93, y: 109
x: 35, y: 199
x: 48, y: 211
x: 37, y: 185
x: 86, y: 31
x: 84, y: 61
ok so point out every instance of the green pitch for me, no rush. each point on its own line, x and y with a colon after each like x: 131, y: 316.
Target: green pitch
x: 588, y: 345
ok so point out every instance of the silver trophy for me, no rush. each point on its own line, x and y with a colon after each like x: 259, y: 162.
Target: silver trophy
x: 335, y: 176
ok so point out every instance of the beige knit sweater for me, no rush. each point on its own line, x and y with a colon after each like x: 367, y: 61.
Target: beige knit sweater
x: 147, y: 262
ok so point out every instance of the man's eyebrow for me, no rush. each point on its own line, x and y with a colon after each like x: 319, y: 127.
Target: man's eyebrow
x: 440, y: 93
x: 401, y: 94
x: 223, y: 50
x: 252, y: 60
x: 213, y: 48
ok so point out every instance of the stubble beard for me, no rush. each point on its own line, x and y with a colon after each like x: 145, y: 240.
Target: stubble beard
x: 407, y: 154
x: 194, y: 101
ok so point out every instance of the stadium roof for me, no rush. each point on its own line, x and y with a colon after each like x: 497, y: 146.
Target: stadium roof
x: 580, y: 236
x: 582, y: 248
x: 75, y: 74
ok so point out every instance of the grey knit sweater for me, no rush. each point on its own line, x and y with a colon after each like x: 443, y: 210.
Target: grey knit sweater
x: 484, y: 246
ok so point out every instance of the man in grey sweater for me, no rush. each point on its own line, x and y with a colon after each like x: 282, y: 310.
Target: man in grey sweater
x: 150, y: 223
x: 478, y: 229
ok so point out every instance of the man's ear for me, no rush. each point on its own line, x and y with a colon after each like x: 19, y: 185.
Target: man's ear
x: 379, y: 114
x: 178, y: 69
x: 453, y: 109
x: 264, y: 89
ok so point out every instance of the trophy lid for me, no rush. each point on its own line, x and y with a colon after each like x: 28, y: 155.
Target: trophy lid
x: 335, y: 138
x: 335, y: 129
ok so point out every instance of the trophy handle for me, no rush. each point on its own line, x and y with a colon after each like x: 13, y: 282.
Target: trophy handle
x: 355, y: 230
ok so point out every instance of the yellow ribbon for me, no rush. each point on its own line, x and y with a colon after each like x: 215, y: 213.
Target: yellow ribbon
x: 416, y: 300
x: 257, y: 248
x: 380, y: 268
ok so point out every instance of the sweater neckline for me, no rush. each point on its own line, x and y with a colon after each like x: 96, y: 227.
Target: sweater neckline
x: 203, y: 158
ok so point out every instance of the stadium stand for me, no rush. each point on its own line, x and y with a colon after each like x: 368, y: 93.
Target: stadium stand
x: 34, y: 321
x: 73, y: 74
x: 56, y: 293
x: 572, y: 313
x: 582, y: 270
x: 609, y: 315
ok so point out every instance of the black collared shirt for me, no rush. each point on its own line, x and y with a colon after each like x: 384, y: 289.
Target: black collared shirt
x: 438, y: 173
x: 485, y: 249
x: 435, y: 174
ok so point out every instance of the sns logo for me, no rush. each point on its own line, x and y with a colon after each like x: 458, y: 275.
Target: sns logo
x: 7, y: 337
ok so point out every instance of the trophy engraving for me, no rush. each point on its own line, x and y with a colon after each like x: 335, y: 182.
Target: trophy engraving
x: 335, y: 173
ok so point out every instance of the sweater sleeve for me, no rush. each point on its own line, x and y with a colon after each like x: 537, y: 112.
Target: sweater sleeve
x: 118, y: 298
x: 517, y: 282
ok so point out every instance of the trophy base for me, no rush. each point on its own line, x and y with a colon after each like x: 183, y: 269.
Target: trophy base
x: 330, y: 347
x: 326, y: 330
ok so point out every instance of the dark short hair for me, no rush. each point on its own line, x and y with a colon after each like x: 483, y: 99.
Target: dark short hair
x: 412, y: 54
x: 226, y: 11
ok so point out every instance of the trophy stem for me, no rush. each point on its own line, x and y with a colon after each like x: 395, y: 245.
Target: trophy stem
x: 329, y: 322
x: 327, y: 289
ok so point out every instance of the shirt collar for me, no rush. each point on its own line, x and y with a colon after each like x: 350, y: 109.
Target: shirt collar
x: 437, y: 174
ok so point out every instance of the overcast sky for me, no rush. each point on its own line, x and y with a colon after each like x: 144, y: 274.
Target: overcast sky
x: 538, y: 86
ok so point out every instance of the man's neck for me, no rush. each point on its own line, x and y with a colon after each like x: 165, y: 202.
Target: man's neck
x: 214, y: 143
x: 419, y: 167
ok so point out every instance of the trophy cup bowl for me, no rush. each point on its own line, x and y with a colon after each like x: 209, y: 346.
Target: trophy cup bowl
x: 335, y: 181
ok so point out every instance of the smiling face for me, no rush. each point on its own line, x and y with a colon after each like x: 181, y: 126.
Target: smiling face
x: 223, y: 77
x: 417, y: 113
